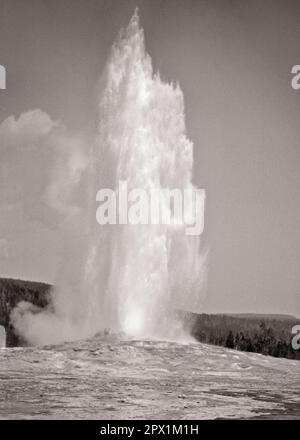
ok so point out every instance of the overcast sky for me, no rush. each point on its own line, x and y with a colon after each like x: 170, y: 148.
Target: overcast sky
x: 233, y: 60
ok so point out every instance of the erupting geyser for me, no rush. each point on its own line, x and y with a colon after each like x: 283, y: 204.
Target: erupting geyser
x: 128, y: 277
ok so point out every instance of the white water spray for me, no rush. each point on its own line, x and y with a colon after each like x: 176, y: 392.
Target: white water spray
x: 127, y: 277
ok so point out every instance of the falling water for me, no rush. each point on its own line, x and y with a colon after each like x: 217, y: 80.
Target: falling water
x: 128, y: 278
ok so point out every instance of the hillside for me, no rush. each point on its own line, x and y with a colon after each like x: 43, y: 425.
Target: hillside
x: 11, y: 293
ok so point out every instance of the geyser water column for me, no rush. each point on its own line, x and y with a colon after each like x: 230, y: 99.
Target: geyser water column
x: 154, y: 268
x: 126, y: 277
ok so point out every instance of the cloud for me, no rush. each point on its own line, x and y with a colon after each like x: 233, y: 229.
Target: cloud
x: 41, y: 163
x: 31, y: 127
x: 41, y: 169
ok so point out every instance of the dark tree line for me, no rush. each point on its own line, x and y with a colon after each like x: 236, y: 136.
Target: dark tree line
x: 269, y: 336
x: 263, y: 342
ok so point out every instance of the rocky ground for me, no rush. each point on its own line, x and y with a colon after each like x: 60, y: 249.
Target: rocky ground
x: 113, y: 377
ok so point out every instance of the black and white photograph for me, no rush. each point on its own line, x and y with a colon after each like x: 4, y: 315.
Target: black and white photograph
x: 149, y: 213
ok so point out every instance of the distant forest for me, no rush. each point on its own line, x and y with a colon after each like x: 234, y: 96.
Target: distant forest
x: 267, y: 334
